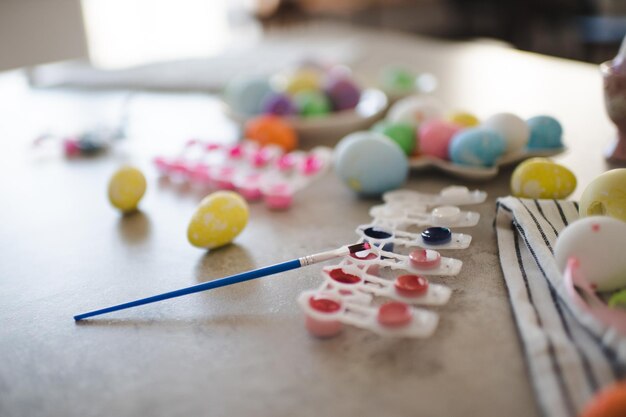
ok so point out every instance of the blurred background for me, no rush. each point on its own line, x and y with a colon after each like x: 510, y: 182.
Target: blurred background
x: 114, y: 34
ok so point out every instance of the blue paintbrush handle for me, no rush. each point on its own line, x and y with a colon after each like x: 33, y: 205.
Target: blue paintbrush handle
x: 222, y: 282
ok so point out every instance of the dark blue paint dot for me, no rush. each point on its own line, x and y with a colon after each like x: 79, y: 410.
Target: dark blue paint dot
x: 437, y: 235
x: 376, y: 233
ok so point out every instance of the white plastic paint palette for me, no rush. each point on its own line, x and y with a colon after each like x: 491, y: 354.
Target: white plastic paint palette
x: 255, y: 172
x: 351, y: 291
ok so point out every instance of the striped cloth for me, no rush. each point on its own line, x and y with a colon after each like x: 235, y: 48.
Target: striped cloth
x: 569, y: 354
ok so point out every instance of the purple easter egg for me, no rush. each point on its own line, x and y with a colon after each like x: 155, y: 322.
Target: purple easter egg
x: 343, y: 93
x: 279, y: 104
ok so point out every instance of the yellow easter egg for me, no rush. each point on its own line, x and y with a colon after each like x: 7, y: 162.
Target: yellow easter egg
x: 219, y: 218
x: 126, y: 188
x: 464, y: 119
x: 605, y: 195
x: 542, y: 178
x: 303, y: 80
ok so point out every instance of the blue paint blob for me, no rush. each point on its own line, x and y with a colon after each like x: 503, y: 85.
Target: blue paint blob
x: 370, y: 164
x: 477, y: 147
x: 545, y: 133
x: 437, y: 235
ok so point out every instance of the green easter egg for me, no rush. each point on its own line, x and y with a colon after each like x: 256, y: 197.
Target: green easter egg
x: 312, y: 103
x: 401, y: 133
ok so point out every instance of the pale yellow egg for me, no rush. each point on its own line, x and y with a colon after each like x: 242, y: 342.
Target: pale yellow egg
x: 126, y: 188
x: 542, y: 179
x: 605, y: 195
x: 219, y: 218
x: 464, y: 119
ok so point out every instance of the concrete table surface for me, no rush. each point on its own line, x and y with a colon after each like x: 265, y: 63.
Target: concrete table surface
x: 243, y: 350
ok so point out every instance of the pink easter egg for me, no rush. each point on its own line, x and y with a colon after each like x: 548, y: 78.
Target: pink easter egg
x: 435, y: 136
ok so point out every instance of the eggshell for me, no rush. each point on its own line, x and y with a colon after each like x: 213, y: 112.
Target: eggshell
x: 605, y: 195
x: 312, y: 103
x: 435, y: 137
x: 304, y: 79
x: 279, y: 104
x: 598, y: 243
x: 464, y: 119
x: 415, y: 110
x: 402, y: 134
x: 476, y: 147
x: 513, y: 129
x: 126, y: 188
x: 271, y: 130
x: 369, y: 163
x: 542, y: 178
x: 545, y: 133
x: 219, y: 218
x: 245, y: 95
x: 342, y: 92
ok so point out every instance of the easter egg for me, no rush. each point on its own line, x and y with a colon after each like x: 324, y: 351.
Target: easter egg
x: 435, y: 136
x: 609, y: 402
x: 605, y: 195
x: 342, y: 92
x: 415, y: 110
x: 598, y: 244
x: 271, y: 130
x: 369, y: 163
x: 545, y: 132
x: 126, y: 188
x: 279, y: 104
x: 312, y: 103
x: 304, y: 79
x: 476, y: 147
x: 513, y: 129
x: 219, y: 218
x: 464, y: 119
x: 403, y: 134
x: 542, y: 178
x: 397, y: 80
x: 245, y: 95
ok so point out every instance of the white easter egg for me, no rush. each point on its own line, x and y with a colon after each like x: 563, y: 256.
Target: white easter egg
x: 598, y: 243
x: 415, y: 110
x: 513, y: 129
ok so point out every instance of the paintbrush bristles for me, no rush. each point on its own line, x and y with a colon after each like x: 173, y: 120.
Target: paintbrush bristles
x: 358, y: 247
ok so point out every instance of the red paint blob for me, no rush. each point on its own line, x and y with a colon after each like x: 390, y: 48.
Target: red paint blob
x: 394, y: 314
x: 324, y: 305
x: 411, y: 285
x: 595, y: 227
x: 340, y: 275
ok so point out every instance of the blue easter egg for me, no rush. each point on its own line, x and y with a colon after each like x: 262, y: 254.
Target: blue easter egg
x: 370, y: 164
x: 545, y: 133
x: 477, y: 147
x: 246, y: 95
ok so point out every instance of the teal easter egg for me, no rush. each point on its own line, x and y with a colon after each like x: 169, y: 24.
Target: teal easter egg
x: 477, y: 147
x: 545, y: 133
x: 246, y: 95
x: 370, y: 164
x: 401, y: 133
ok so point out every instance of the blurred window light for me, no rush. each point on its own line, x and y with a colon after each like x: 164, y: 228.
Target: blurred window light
x: 122, y: 33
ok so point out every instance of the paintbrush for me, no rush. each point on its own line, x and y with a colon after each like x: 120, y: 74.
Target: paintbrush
x: 234, y: 279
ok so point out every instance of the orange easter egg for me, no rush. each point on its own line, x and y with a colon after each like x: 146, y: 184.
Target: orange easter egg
x: 271, y: 130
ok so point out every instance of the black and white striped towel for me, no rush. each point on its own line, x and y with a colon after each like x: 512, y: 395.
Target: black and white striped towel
x: 569, y: 354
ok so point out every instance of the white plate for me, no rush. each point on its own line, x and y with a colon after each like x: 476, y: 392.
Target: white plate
x: 478, y: 173
x: 328, y: 130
